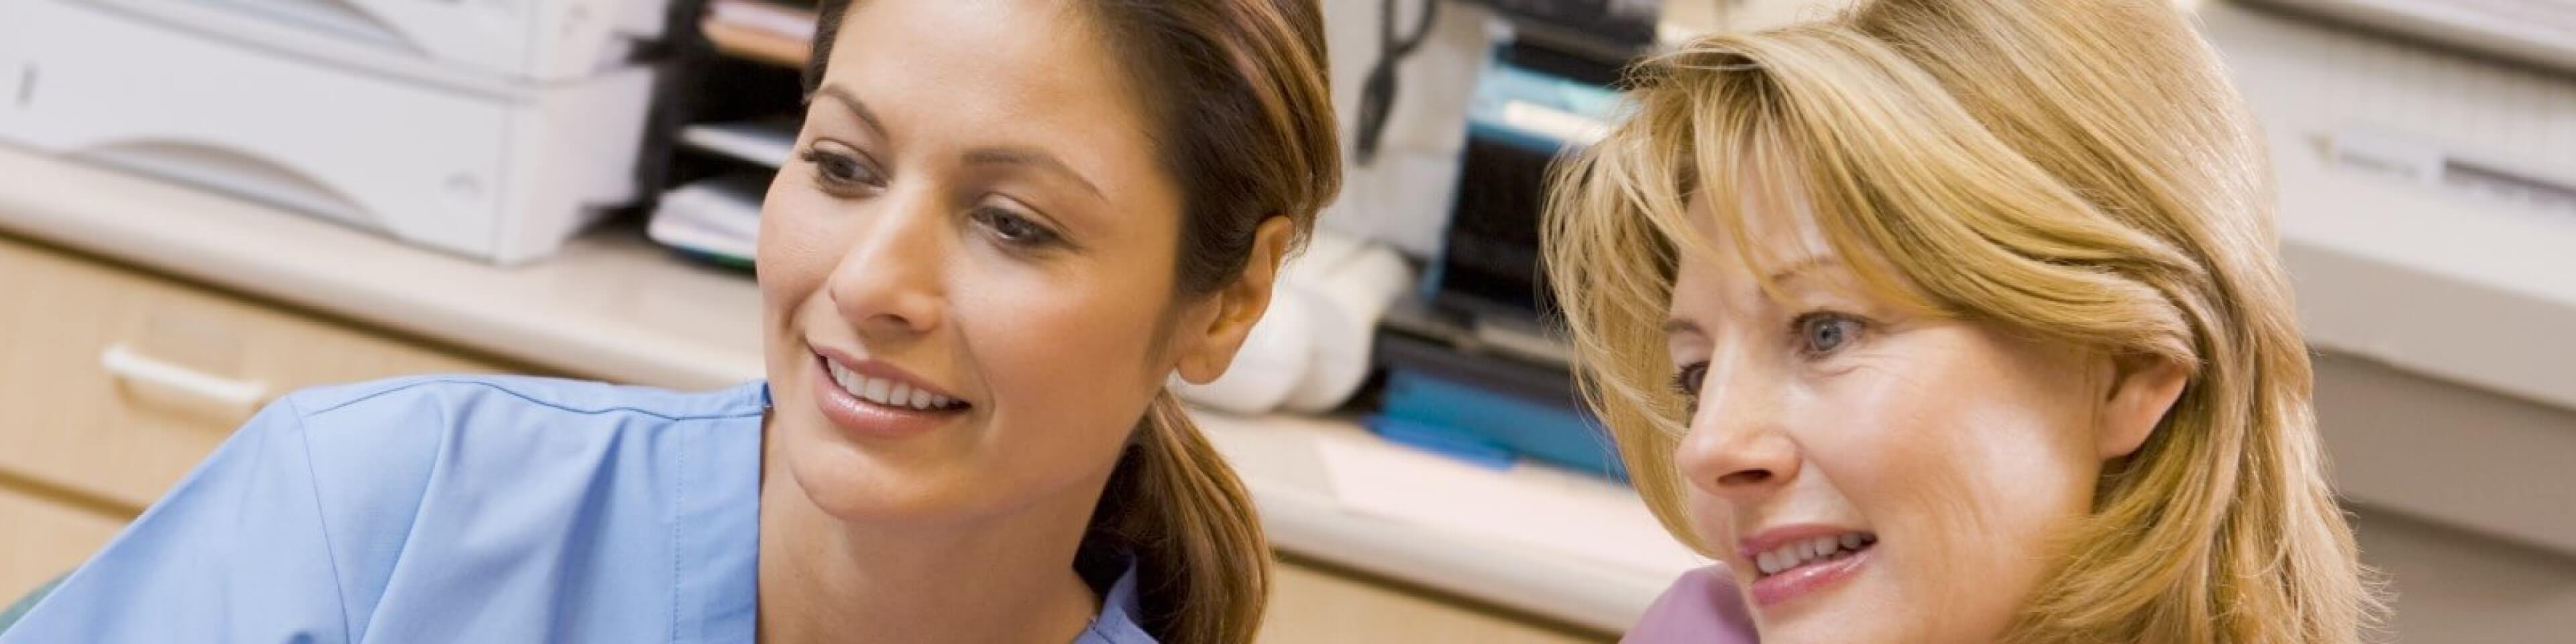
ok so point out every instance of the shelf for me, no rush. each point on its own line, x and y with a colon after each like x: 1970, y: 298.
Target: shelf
x: 763, y: 143
x: 760, y: 31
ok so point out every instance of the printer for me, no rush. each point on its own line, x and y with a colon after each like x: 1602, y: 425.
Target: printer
x: 492, y: 129
x: 1470, y: 367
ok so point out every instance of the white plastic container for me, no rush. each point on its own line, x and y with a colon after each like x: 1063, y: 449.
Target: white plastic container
x: 539, y: 40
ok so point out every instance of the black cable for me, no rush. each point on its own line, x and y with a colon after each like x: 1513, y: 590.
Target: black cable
x: 1377, y: 95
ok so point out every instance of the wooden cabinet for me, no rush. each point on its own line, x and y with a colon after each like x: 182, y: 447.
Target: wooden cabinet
x: 114, y: 383
x: 41, y: 538
x: 1316, y: 604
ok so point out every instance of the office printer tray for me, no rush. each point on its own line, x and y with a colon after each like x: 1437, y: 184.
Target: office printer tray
x: 499, y: 175
x: 532, y: 40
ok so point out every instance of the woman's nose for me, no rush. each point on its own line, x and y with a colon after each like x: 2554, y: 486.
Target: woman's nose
x: 1737, y: 448
x: 888, y: 283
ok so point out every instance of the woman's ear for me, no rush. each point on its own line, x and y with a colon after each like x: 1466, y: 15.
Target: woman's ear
x: 1212, y: 331
x: 2143, y: 390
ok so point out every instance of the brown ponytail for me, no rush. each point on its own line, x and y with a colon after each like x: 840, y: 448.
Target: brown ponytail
x: 1199, y: 552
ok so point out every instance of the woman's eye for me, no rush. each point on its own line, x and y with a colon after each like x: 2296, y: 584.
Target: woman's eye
x: 1687, y: 381
x: 843, y: 170
x: 1013, y: 228
x: 1824, y: 333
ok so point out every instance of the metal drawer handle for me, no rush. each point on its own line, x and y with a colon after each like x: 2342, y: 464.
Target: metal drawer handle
x: 234, y: 397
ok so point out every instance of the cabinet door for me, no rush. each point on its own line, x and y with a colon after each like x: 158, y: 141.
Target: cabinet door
x: 1309, y: 604
x: 41, y: 539
x: 115, y: 383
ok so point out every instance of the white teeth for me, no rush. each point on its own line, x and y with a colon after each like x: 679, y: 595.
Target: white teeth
x: 884, y: 392
x: 842, y: 376
x: 1797, y: 553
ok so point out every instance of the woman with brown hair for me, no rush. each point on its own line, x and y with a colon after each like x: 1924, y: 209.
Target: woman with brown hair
x: 1005, y: 227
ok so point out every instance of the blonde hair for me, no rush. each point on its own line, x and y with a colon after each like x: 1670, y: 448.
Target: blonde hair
x: 2077, y: 171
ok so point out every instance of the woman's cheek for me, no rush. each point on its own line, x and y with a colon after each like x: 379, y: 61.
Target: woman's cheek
x: 1053, y: 366
x: 798, y: 246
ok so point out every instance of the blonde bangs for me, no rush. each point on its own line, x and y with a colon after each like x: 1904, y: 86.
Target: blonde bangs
x: 1609, y: 265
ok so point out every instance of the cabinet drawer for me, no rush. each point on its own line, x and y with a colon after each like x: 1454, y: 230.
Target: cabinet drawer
x: 1311, y: 604
x: 42, y: 539
x: 114, y: 383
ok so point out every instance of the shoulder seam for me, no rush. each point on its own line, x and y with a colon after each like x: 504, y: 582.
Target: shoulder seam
x: 330, y: 551
x: 532, y: 400
x: 679, y: 496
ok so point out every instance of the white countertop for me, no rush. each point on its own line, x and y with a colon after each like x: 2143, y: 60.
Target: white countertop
x: 614, y: 307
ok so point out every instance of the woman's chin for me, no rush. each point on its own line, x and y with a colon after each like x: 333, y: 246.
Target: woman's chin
x: 1853, y: 612
x: 1836, y: 628
x: 855, y: 484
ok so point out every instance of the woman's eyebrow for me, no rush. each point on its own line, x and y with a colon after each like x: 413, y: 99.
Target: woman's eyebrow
x: 855, y: 105
x: 1801, y: 268
x: 1679, y: 326
x: 1031, y: 158
x: 1804, y: 267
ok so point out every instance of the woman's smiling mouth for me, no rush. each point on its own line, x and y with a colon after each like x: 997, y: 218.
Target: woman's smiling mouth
x: 888, y: 392
x: 872, y: 399
x: 1791, y: 562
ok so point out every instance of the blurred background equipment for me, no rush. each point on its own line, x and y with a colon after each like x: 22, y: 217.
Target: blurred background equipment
x: 2541, y: 32
x: 716, y: 219
x: 1471, y: 369
x: 490, y: 130
x: 1310, y: 352
x: 1610, y: 30
x: 1377, y: 93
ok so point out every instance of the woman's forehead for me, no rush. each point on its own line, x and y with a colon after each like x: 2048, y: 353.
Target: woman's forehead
x: 951, y: 76
x: 1766, y: 226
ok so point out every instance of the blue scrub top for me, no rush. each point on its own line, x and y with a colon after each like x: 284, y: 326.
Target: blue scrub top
x: 456, y: 509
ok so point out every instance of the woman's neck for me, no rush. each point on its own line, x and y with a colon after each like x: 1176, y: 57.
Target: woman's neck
x: 1008, y: 578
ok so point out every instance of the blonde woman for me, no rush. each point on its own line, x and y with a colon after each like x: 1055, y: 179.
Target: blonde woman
x: 1956, y: 321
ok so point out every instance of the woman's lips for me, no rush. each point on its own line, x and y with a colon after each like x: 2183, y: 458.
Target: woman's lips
x: 863, y: 418
x: 1809, y: 577
x: 1796, y: 560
